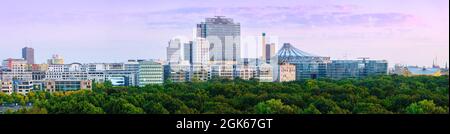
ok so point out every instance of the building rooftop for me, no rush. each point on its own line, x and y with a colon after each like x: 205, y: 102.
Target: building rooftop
x: 290, y: 54
x: 289, y: 50
x: 219, y: 20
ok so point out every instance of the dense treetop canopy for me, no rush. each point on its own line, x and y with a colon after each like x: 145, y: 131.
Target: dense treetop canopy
x: 372, y: 95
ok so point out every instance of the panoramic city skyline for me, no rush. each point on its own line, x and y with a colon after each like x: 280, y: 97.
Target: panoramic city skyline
x: 406, y: 32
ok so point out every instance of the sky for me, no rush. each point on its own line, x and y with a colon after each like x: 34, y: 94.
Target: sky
x: 410, y: 32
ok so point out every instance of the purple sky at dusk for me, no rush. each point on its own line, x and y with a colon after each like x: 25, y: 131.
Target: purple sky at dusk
x: 412, y: 32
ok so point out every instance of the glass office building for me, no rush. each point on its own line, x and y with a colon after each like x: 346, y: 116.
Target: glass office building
x: 339, y: 69
x: 309, y: 66
x: 223, y: 34
x: 67, y: 85
x: 150, y: 72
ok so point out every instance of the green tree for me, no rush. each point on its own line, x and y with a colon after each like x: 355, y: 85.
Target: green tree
x: 370, y: 95
x: 220, y: 108
x: 426, y: 107
x: 121, y: 106
x: 155, y: 108
x: 370, y: 108
x: 85, y: 107
x: 274, y: 106
x: 311, y: 109
x: 108, y: 84
x: 33, y: 110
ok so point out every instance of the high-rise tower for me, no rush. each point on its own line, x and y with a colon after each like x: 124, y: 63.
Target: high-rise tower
x: 223, y: 35
x: 28, y: 54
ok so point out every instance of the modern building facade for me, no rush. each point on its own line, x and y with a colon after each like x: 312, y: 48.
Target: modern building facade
x: 226, y: 71
x: 67, y: 85
x: 133, y: 67
x: 177, y: 72
x: 265, y: 73
x: 223, y: 34
x: 286, y: 72
x: 308, y: 66
x: 74, y: 71
x: 98, y: 72
x: 118, y: 81
x: 6, y: 87
x: 22, y: 87
x: 339, y: 69
x: 270, y: 52
x: 200, y: 72
x: 18, y: 65
x: 150, y: 72
x: 200, y: 53
x: 246, y: 71
x: 56, y: 59
x: 15, y: 69
x: 188, y: 52
x: 174, y: 52
x: 121, y: 77
x: 28, y: 54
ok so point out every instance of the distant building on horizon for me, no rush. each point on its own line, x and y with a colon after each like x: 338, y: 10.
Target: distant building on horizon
x: 444, y: 71
x: 56, y: 59
x: 28, y: 54
x: 417, y: 71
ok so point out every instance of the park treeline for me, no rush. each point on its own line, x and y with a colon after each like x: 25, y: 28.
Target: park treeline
x: 372, y: 95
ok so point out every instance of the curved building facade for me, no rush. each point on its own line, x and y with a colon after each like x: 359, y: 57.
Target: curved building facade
x: 306, y: 65
x: 309, y: 66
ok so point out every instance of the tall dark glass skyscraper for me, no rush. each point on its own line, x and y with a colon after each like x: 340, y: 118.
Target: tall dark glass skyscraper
x: 223, y: 34
x: 28, y: 54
